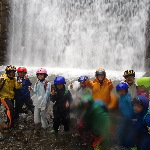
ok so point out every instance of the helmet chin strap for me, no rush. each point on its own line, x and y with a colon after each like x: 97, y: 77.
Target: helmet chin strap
x: 101, y: 82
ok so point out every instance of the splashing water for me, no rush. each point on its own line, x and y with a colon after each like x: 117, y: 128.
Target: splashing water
x: 78, y: 34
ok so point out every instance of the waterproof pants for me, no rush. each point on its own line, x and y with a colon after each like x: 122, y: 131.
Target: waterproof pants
x: 40, y: 117
x: 61, y: 115
x: 9, y: 104
x: 19, y: 104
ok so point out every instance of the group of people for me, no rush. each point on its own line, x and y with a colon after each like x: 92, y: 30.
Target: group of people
x: 89, y: 101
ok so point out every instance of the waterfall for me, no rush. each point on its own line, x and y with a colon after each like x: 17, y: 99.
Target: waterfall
x: 78, y: 33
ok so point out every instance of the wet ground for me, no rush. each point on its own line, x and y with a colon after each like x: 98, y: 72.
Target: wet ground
x: 28, y: 136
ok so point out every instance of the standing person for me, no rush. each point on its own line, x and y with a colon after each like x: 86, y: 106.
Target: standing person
x: 102, y: 88
x: 144, y: 87
x: 126, y: 129
x: 22, y: 96
x: 140, y: 106
x: 61, y: 109
x: 78, y: 89
x: 129, y: 76
x: 7, y: 84
x: 42, y: 90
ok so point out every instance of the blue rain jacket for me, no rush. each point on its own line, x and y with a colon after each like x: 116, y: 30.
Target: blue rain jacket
x: 126, y: 129
x: 143, y: 141
x: 43, y: 95
x: 23, y: 93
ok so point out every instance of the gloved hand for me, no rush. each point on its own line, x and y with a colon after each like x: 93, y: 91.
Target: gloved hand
x: 43, y: 107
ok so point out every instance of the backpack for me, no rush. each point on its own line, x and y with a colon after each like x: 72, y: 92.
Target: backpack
x: 148, y: 113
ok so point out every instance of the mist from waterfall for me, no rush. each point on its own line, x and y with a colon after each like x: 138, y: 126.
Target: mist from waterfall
x: 78, y: 33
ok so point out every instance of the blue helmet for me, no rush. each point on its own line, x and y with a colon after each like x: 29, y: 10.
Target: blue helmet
x: 122, y: 86
x: 59, y: 80
x: 82, y: 79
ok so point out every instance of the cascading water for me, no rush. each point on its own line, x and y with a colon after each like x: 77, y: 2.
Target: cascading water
x: 78, y: 33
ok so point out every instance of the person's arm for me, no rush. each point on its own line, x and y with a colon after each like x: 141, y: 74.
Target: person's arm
x: 110, y: 85
x: 28, y: 83
x: 18, y: 85
x: 34, y: 90
x: 88, y: 83
x: 53, y: 95
x: 148, y: 129
x: 147, y: 122
x: 69, y: 97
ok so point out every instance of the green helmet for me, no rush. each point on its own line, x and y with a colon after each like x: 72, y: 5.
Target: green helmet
x: 145, y: 81
x: 86, y: 99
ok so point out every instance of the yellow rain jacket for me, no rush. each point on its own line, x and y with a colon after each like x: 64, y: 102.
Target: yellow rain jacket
x: 103, y: 92
x: 8, y: 88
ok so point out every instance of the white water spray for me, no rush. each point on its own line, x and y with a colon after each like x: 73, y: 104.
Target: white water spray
x: 78, y: 34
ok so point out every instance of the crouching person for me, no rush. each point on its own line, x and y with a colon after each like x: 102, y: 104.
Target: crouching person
x: 95, y: 119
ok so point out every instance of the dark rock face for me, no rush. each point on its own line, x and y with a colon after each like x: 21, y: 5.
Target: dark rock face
x: 147, y: 74
x: 147, y: 44
x: 4, y: 15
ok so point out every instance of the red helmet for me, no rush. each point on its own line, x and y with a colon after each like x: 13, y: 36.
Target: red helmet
x: 23, y: 69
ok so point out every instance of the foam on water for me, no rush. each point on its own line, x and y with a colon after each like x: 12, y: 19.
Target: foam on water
x: 71, y: 74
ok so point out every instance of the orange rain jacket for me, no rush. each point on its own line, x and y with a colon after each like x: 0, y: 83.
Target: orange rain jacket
x: 103, y: 92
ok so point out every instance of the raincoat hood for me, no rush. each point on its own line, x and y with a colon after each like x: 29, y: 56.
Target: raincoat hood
x: 145, y: 102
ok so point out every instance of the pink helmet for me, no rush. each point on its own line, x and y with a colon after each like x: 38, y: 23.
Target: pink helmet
x: 41, y: 70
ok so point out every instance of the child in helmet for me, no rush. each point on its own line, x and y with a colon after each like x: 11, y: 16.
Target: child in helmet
x: 22, y: 96
x: 144, y: 87
x: 129, y: 76
x: 78, y: 89
x: 102, y: 88
x: 42, y: 89
x: 61, y: 97
x: 126, y: 129
x: 94, y: 117
x: 140, y: 106
x: 7, y: 84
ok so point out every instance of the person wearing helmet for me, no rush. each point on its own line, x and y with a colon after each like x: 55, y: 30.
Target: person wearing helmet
x: 78, y: 89
x: 22, y: 96
x: 41, y: 98
x: 143, y: 87
x: 7, y: 84
x: 126, y: 129
x: 94, y: 117
x: 102, y: 88
x: 129, y: 76
x: 140, y: 107
x: 62, y: 99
